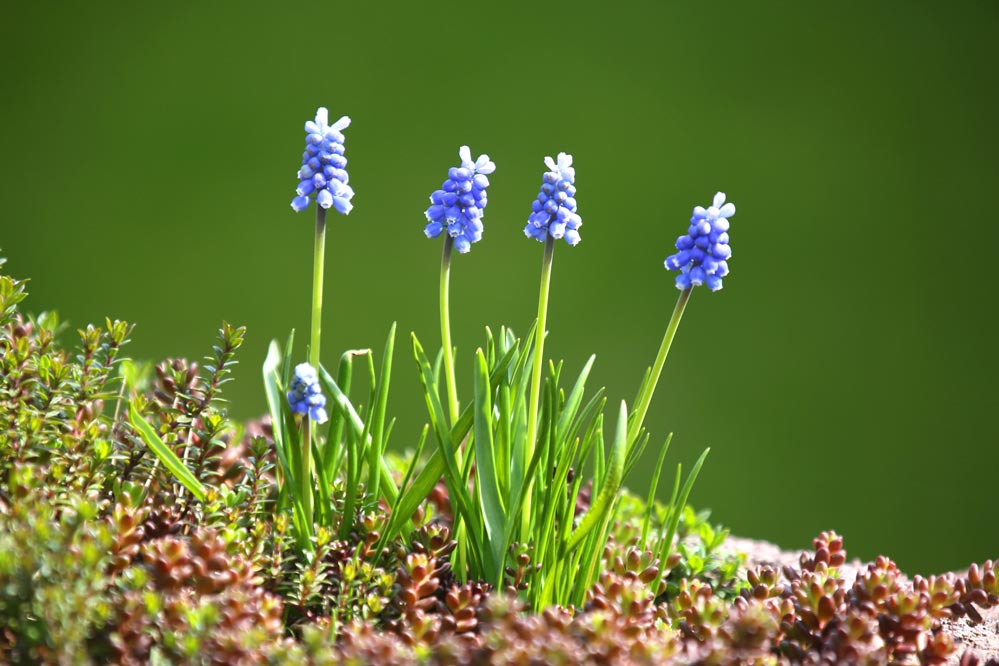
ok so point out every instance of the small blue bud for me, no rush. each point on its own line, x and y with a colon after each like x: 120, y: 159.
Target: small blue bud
x: 342, y: 204
x: 324, y: 198
x: 305, y: 395
x: 305, y: 188
x: 434, y: 229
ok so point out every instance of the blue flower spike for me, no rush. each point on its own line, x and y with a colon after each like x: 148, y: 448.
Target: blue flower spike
x: 554, y: 211
x: 461, y: 202
x: 305, y: 395
x: 704, y: 250
x: 323, y: 173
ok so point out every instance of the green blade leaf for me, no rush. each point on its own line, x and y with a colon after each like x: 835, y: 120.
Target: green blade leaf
x: 490, y: 500
x: 457, y: 487
x: 651, y: 501
x: 678, y: 503
x: 357, y: 427
x: 410, y: 499
x: 285, y: 433
x: 611, y: 484
x: 572, y: 403
x: 377, y: 448
x: 165, y: 454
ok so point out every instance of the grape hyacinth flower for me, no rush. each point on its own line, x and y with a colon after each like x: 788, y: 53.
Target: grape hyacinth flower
x: 461, y: 202
x: 305, y: 395
x: 323, y: 171
x: 704, y: 250
x: 554, y: 211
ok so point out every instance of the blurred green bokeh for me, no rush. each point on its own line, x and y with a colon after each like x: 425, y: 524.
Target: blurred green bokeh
x: 845, y: 377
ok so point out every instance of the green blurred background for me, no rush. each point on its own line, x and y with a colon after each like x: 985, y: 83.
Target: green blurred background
x: 844, y: 378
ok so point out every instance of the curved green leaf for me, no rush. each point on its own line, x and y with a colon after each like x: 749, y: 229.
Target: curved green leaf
x: 165, y: 454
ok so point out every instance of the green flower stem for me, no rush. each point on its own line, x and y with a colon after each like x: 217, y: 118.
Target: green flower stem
x: 539, y: 353
x: 318, y: 258
x: 452, y: 389
x: 643, y: 400
x: 317, y: 285
x: 449, y: 381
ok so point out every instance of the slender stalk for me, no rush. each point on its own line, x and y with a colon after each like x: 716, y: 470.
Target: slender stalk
x: 461, y: 557
x: 317, y: 285
x: 643, y: 400
x: 539, y: 347
x: 318, y: 259
x: 539, y: 354
x: 452, y: 389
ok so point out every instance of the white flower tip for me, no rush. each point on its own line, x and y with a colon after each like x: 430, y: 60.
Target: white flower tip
x: 550, y: 163
x: 465, y: 153
x: 719, y: 200
x: 343, y: 123
x: 322, y: 116
x: 564, y: 160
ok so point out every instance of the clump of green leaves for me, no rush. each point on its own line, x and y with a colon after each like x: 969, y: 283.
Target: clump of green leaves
x: 54, y: 588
